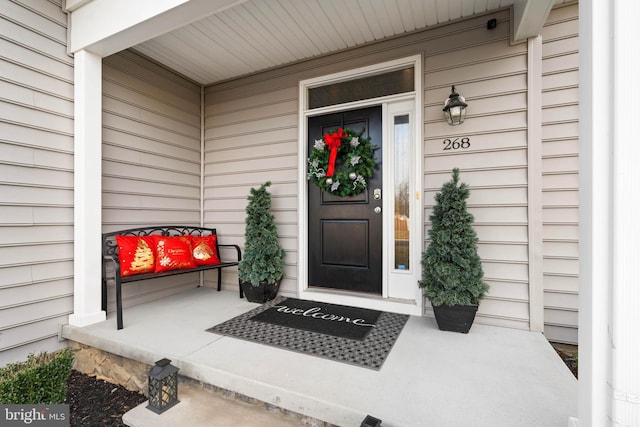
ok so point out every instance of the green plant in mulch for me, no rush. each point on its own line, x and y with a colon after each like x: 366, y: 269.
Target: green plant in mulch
x: 42, y: 379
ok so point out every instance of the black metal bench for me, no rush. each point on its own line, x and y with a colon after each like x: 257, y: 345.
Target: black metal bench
x: 110, y: 255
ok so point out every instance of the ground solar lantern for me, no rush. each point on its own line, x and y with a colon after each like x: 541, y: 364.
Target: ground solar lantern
x: 163, y: 386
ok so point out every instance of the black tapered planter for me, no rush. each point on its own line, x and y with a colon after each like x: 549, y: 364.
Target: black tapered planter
x: 262, y: 293
x: 455, y: 318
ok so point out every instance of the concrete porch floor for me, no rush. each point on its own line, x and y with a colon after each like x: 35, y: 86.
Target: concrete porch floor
x: 490, y: 377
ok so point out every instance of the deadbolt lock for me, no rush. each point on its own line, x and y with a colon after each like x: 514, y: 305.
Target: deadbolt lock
x: 377, y: 194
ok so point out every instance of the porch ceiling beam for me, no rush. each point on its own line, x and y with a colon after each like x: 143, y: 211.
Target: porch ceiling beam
x: 105, y: 27
x: 528, y: 17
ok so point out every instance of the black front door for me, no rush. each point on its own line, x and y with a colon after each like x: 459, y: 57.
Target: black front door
x: 345, y: 233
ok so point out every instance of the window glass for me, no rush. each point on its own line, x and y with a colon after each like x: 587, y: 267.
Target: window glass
x: 391, y: 83
x: 402, y: 167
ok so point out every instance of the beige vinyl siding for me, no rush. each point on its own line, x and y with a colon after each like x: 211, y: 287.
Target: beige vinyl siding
x: 36, y: 178
x: 151, y: 158
x: 560, y: 173
x: 250, y: 140
x: 492, y: 75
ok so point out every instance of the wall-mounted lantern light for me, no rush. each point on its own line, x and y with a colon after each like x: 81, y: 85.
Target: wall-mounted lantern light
x: 163, y: 386
x: 455, y: 109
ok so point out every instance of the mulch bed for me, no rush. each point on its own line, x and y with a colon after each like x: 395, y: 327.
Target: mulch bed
x: 93, y: 402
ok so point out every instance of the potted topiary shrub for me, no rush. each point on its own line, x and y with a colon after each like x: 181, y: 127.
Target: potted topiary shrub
x: 452, y: 275
x: 262, y: 266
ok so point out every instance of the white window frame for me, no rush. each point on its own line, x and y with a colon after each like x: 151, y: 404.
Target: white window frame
x: 413, y: 305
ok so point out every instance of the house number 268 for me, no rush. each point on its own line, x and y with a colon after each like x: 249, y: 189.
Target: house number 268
x: 457, y: 143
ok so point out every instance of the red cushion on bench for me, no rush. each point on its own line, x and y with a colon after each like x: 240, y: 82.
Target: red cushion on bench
x: 136, y: 254
x: 173, y: 253
x: 205, y: 250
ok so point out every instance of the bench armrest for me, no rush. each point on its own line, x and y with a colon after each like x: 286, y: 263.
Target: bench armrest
x: 236, y: 247
x: 115, y: 261
x: 116, y: 269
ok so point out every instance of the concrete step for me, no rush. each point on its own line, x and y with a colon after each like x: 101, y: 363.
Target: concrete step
x: 201, y: 406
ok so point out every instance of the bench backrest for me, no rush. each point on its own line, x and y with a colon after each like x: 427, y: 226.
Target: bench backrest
x: 110, y: 246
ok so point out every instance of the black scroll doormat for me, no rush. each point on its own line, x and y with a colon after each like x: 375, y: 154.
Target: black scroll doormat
x: 338, y: 320
x: 270, y: 324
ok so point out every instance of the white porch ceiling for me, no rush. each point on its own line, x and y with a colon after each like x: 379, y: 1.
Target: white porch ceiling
x: 255, y: 35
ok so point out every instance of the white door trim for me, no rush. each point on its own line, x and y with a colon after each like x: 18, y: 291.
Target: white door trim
x: 412, y: 306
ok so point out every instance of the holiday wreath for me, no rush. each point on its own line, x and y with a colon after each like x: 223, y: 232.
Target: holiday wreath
x: 342, y: 162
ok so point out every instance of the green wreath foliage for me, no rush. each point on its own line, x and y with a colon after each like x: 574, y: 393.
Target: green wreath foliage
x: 354, y: 164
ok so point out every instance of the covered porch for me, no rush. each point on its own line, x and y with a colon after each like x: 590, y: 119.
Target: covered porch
x: 491, y: 377
x: 595, y: 175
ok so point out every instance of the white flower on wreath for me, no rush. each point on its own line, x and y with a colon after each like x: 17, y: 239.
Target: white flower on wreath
x: 355, y: 141
x: 335, y: 185
x: 355, y: 160
x: 319, y: 145
x: 316, y: 170
x: 359, y: 180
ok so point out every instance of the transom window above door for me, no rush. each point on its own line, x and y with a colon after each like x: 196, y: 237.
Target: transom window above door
x: 369, y: 87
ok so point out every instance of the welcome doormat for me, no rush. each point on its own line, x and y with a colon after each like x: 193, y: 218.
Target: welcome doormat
x: 369, y: 352
x: 337, y: 320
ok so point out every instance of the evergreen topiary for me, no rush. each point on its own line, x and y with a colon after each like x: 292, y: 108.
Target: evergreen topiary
x: 451, y: 269
x: 263, y: 258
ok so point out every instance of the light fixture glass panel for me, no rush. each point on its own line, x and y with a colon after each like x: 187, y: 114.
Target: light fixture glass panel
x: 455, y: 115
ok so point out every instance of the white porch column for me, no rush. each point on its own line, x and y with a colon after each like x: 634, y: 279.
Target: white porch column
x: 87, y: 253
x: 625, y: 343
x: 609, y: 227
x: 595, y: 208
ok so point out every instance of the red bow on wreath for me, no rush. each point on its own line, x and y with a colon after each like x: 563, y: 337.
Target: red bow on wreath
x: 333, y: 143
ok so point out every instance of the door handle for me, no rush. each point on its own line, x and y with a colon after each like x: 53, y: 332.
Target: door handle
x: 377, y: 194
x: 377, y: 209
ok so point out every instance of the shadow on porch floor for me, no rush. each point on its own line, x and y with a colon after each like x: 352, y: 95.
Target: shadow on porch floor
x: 490, y: 377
